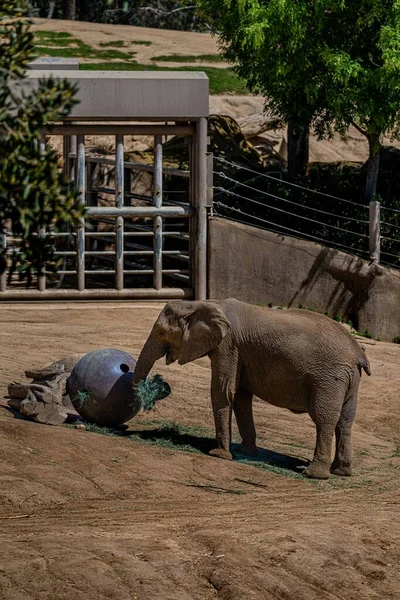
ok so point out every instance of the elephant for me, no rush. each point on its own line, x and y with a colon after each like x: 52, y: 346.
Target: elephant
x: 296, y: 359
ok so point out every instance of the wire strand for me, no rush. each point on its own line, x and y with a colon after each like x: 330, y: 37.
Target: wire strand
x: 324, y: 212
x: 395, y: 210
x: 290, y: 183
x: 354, y: 250
x: 294, y: 214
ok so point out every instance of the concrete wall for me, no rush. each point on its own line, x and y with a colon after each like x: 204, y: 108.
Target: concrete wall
x: 258, y: 266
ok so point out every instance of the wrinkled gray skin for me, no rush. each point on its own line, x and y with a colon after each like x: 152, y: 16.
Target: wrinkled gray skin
x: 296, y: 359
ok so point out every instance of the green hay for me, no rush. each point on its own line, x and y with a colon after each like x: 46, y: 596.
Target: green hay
x: 82, y: 397
x: 149, y: 391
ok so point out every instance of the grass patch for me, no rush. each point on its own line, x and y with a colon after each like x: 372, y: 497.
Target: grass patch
x: 167, y: 435
x: 123, y: 44
x: 81, y: 50
x: 50, y: 43
x: 188, y: 58
x: 222, y: 81
x: 64, y: 45
x: 114, y: 44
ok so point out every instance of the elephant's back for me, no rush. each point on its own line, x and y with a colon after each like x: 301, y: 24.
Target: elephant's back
x: 310, y: 329
x: 286, y: 349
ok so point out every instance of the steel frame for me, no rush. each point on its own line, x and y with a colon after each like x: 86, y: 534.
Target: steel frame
x: 77, y: 165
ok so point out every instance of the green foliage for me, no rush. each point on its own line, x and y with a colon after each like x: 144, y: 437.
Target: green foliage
x: 151, y: 390
x: 34, y: 194
x: 396, y: 340
x: 188, y: 58
x: 366, y: 333
x: 326, y: 63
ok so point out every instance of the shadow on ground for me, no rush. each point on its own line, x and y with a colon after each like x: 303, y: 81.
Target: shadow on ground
x: 176, y: 436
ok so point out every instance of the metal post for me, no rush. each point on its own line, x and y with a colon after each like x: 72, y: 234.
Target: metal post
x: 157, y: 201
x: 127, y: 186
x: 41, y: 282
x: 73, y: 143
x: 66, y: 150
x: 201, y: 211
x: 192, y: 195
x: 80, y: 239
x: 119, y: 203
x: 3, y: 252
x: 375, y: 231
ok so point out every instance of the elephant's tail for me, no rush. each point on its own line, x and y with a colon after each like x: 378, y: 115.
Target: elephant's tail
x: 363, y: 363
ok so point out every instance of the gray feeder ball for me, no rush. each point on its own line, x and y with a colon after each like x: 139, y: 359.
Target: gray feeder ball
x: 101, y: 387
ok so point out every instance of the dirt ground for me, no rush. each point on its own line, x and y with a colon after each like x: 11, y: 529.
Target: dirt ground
x: 92, y: 517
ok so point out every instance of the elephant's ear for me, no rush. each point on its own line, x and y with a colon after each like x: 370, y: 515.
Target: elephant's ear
x: 204, y: 330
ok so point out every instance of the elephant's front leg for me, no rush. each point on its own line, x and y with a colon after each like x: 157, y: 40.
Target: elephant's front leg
x: 224, y: 382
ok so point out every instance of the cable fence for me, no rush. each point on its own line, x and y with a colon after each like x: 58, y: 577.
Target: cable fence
x: 263, y: 200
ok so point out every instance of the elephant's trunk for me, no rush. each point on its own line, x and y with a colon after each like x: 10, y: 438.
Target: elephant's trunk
x: 152, y: 351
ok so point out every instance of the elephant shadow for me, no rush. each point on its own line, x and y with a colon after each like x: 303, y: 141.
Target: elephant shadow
x: 174, y: 437
x: 266, y: 457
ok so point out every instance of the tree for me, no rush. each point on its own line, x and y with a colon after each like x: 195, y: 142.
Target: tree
x: 325, y: 64
x: 70, y: 9
x: 34, y: 194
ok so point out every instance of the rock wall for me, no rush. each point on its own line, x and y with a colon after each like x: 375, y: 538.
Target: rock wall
x: 260, y: 267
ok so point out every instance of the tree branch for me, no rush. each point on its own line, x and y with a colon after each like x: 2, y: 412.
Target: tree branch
x: 359, y: 129
x: 160, y: 11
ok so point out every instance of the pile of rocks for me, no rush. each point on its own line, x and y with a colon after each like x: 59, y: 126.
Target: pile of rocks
x: 45, y: 398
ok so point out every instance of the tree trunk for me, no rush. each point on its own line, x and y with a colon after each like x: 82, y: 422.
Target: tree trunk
x: 70, y: 10
x: 298, y: 148
x: 373, y: 167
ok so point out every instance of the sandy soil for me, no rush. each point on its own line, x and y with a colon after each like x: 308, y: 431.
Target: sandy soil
x: 91, y: 517
x: 162, y: 41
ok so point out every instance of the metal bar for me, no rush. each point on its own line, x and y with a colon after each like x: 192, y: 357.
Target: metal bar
x: 3, y: 252
x: 62, y: 294
x: 80, y: 179
x: 119, y: 203
x: 127, y: 185
x: 99, y: 252
x: 100, y: 234
x: 138, y: 271
x: 375, y: 231
x: 114, y: 129
x: 139, y: 211
x: 129, y: 166
x: 192, y: 194
x: 66, y: 151
x: 157, y: 201
x: 139, y: 252
x: 210, y: 180
x: 100, y: 272
x: 201, y: 211
x: 41, y: 281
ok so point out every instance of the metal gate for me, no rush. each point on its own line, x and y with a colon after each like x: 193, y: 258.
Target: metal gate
x: 130, y: 244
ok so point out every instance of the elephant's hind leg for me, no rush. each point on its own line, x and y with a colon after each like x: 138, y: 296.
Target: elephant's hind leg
x: 243, y: 407
x: 325, y: 411
x: 343, y: 456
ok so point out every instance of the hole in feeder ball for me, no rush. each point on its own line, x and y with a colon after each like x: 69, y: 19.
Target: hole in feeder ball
x: 124, y: 368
